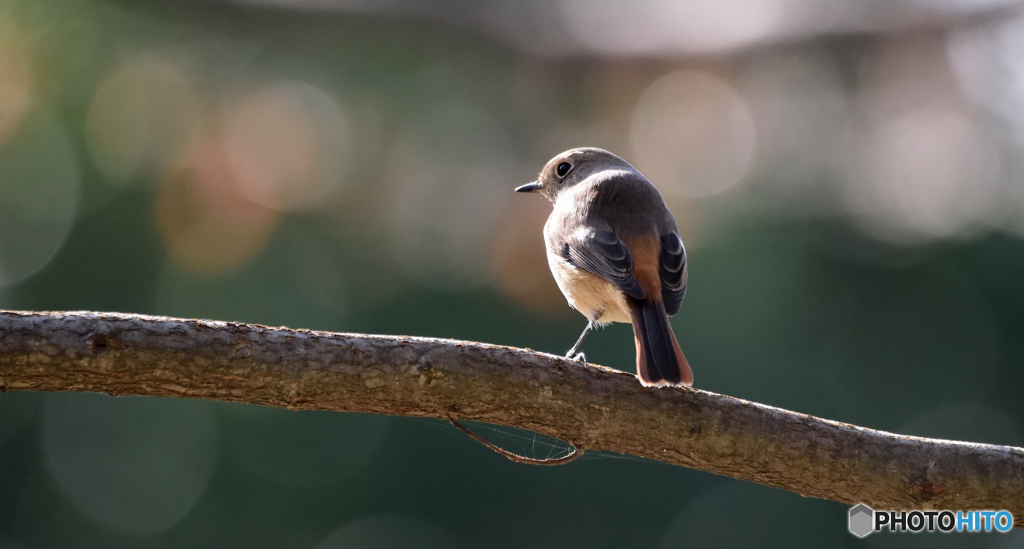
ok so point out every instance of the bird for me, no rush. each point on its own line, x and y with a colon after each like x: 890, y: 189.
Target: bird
x: 615, y: 252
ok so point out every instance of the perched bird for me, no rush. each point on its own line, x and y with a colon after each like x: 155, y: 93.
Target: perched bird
x: 615, y: 252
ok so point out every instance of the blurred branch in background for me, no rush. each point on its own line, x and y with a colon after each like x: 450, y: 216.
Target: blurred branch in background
x: 593, y: 407
x: 552, y: 28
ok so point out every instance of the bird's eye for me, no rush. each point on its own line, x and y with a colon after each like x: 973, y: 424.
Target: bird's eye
x: 563, y: 169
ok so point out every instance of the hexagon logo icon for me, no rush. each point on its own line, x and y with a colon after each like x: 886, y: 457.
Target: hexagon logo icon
x: 861, y: 519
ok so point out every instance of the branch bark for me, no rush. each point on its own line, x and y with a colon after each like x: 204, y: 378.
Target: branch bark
x: 594, y: 408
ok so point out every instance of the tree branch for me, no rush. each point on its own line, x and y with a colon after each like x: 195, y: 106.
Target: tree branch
x: 592, y: 407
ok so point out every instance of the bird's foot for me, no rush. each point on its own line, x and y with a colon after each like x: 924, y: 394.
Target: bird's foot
x: 578, y: 357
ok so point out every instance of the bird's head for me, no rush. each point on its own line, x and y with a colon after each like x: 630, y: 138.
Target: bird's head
x: 571, y: 168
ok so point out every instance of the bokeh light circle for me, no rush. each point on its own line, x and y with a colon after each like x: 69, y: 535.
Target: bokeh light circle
x: 294, y: 139
x: 692, y: 134
x: 16, y: 94
x: 39, y: 197
x: 205, y: 220
x: 143, y: 119
x: 926, y: 173
x: 135, y: 463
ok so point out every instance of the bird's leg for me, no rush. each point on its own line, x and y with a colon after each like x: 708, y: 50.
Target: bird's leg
x: 572, y: 352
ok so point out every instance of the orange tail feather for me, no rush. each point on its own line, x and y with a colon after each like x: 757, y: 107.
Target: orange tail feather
x: 659, y: 360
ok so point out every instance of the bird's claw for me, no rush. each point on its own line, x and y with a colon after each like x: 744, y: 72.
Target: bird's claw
x: 578, y: 357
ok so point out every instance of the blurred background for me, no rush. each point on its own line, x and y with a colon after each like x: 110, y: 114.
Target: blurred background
x: 847, y: 176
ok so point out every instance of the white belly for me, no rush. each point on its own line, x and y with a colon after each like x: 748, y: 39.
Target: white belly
x: 588, y: 293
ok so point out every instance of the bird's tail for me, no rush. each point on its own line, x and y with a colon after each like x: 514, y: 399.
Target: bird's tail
x: 659, y: 361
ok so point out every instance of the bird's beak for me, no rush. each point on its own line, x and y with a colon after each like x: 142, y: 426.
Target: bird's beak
x: 530, y: 187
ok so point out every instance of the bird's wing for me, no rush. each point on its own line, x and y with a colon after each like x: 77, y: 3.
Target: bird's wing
x: 673, y: 272
x: 601, y: 252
